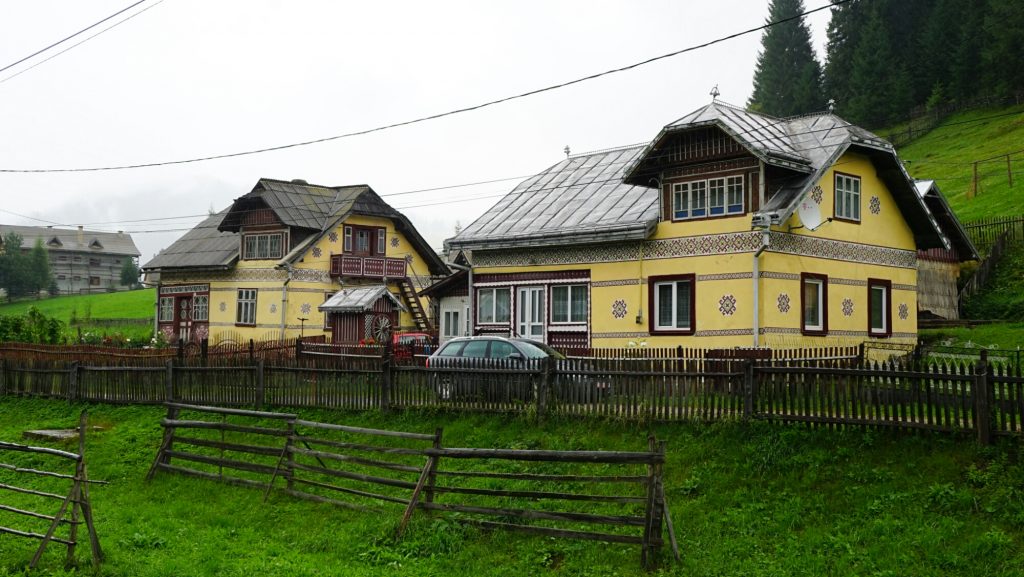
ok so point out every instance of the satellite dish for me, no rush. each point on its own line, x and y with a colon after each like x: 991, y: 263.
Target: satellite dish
x: 809, y: 213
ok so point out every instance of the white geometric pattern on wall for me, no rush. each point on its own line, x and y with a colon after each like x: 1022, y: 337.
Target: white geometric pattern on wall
x: 305, y: 308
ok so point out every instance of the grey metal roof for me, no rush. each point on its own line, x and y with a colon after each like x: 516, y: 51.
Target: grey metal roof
x: 202, y: 247
x: 357, y: 300
x: 63, y: 239
x: 950, y: 224
x: 580, y: 199
x: 296, y: 203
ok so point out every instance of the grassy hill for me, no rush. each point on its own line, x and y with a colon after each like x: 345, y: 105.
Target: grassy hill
x: 746, y: 499
x: 120, y: 305
x: 947, y: 153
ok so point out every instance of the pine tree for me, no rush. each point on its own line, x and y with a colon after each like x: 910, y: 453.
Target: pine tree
x: 880, y: 87
x: 844, y: 28
x: 787, y: 79
x: 1002, y: 56
x: 39, y: 273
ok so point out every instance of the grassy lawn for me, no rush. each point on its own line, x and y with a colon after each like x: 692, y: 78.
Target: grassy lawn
x: 1004, y: 336
x: 136, y: 304
x: 746, y: 499
x: 945, y: 154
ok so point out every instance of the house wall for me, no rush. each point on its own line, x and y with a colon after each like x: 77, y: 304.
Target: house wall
x: 719, y: 252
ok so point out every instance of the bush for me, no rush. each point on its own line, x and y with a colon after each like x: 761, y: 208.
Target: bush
x: 32, y: 327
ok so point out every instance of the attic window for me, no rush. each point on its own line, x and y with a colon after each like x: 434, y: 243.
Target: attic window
x: 95, y: 244
x: 263, y: 246
x: 55, y: 242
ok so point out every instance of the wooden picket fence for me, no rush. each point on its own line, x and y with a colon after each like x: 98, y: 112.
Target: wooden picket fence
x: 371, y: 469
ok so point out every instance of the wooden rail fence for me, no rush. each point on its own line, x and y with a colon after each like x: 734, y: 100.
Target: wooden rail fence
x: 371, y: 469
x: 41, y: 486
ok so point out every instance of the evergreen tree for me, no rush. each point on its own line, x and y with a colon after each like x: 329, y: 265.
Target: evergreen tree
x: 787, y: 79
x: 844, y: 29
x: 39, y: 275
x: 14, y: 270
x: 129, y: 273
x: 1003, y: 55
x: 880, y: 87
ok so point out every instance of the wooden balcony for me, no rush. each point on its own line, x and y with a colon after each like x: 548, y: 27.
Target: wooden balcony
x: 343, y: 265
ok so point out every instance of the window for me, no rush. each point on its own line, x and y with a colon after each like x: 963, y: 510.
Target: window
x: 362, y: 241
x: 492, y: 305
x: 365, y: 241
x: 264, y: 246
x: 347, y: 244
x: 879, y: 308
x: 94, y: 281
x: 503, y: 350
x: 847, y: 197
x: 569, y: 304
x: 475, y: 349
x: 814, y: 304
x: 382, y: 235
x: 62, y: 257
x: 61, y: 277
x: 246, y: 308
x: 166, y: 313
x: 451, y: 324
x: 94, y: 262
x: 672, y: 304
x: 201, y: 308
x: 702, y: 198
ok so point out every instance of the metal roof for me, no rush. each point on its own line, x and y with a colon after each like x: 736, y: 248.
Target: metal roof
x: 580, y: 199
x: 950, y: 224
x: 296, y: 203
x: 63, y: 239
x: 358, y: 300
x: 202, y: 247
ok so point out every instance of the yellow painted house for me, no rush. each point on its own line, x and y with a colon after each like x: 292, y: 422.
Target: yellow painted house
x: 290, y: 259
x: 730, y: 229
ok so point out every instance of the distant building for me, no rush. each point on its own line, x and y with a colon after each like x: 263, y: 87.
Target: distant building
x: 82, y: 261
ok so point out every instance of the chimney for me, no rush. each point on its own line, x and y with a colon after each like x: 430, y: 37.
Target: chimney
x: 81, y: 235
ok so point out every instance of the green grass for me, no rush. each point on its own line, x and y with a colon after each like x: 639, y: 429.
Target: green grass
x: 945, y: 154
x: 1004, y: 336
x: 746, y: 499
x: 136, y: 304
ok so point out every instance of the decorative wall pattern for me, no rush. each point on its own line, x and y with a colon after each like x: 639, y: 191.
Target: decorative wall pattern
x: 847, y: 307
x: 725, y: 333
x: 725, y: 276
x: 311, y: 275
x: 875, y: 205
x: 831, y: 333
x: 306, y: 308
x: 847, y: 281
x: 727, y: 305
x: 817, y: 195
x: 840, y: 250
x: 332, y: 236
x: 904, y: 311
x: 622, y: 282
x: 779, y: 275
x: 783, y: 303
x: 273, y: 308
x: 223, y: 307
x: 619, y: 309
x: 317, y: 253
x: 394, y: 242
x: 620, y: 335
x: 703, y: 245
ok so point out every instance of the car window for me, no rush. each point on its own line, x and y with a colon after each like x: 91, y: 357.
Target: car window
x: 475, y: 349
x: 451, y: 349
x: 502, y: 350
x: 535, y: 350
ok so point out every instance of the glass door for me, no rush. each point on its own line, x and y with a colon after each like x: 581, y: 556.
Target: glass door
x: 531, y: 313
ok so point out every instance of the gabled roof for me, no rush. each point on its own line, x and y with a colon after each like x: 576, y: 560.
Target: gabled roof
x: 358, y: 300
x: 948, y: 221
x: 203, y: 247
x: 580, y: 199
x: 62, y: 239
x: 314, y: 208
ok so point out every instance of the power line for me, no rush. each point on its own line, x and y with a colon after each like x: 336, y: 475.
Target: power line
x: 115, y: 25
x: 87, y: 28
x: 434, y: 116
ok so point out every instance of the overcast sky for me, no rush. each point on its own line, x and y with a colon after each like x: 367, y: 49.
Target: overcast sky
x: 194, y: 78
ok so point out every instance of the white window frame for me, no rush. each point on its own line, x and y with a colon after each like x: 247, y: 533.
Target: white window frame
x: 452, y: 326
x: 346, y: 244
x: 886, y: 290
x: 492, y: 318
x: 201, y: 308
x: 382, y: 245
x: 690, y: 309
x: 847, y: 197
x: 166, y: 313
x: 258, y: 246
x: 245, y: 307
x: 699, y: 199
x: 820, y: 283
x: 572, y: 318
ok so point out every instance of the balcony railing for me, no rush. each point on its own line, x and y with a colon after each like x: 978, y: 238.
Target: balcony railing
x: 367, y: 266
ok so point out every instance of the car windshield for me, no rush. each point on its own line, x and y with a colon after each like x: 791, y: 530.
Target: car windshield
x: 535, y: 350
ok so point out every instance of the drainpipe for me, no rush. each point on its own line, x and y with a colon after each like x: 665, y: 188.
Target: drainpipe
x: 757, y: 286
x: 284, y: 300
x: 156, y: 305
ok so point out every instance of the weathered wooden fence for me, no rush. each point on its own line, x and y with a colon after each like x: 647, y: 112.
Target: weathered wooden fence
x: 986, y: 268
x: 986, y: 231
x: 371, y: 469
x: 40, y: 486
x: 908, y: 391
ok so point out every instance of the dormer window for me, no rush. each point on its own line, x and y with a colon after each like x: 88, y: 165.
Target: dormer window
x: 95, y: 244
x: 263, y: 246
x: 55, y: 242
x: 706, y: 198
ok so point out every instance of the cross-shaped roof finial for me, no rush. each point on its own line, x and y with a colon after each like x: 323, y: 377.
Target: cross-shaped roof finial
x: 831, y: 105
x: 566, y: 150
x: 714, y: 93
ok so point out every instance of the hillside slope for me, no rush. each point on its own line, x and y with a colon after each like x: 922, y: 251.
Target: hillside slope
x: 136, y: 304
x: 947, y: 153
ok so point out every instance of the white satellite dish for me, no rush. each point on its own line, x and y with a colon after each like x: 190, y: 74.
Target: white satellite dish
x: 809, y: 213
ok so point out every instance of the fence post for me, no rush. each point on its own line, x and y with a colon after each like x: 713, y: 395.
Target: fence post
x: 748, y: 389
x: 181, y: 349
x: 544, y: 387
x: 298, y: 348
x: 982, y: 398
x: 260, y: 388
x: 3, y: 375
x: 428, y: 491
x: 169, y: 380
x: 204, y: 349
x: 252, y: 350
x: 387, y: 361
x: 73, y: 381
x: 860, y: 354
